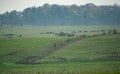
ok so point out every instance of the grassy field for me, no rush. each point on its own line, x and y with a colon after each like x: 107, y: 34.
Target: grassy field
x: 104, y: 47
x: 40, y: 31
x: 90, y: 55
x: 12, y: 49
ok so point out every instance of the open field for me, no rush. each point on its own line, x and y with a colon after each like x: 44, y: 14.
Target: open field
x: 41, y: 31
x: 59, y: 54
x: 96, y: 48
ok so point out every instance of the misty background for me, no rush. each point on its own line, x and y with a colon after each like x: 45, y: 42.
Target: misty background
x: 19, y: 5
x: 59, y: 12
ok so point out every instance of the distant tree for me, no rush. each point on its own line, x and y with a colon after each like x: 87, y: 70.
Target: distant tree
x: 61, y: 34
x: 63, y: 15
x: 11, y: 18
x: 20, y: 35
x: 109, y: 31
x: 115, y: 31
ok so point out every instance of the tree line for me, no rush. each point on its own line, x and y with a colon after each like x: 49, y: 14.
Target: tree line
x: 47, y: 14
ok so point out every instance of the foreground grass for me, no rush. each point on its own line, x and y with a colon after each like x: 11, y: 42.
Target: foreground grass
x: 13, y: 49
x: 109, y: 67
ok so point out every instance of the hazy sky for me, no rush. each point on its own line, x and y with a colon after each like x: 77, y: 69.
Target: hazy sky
x: 9, y: 5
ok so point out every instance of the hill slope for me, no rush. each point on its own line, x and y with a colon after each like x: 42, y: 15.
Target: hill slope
x: 103, y: 48
x: 93, y: 55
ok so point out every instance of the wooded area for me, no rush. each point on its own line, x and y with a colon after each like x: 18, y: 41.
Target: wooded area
x: 47, y: 14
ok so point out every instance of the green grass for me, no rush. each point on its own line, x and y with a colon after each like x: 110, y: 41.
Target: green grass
x: 26, y: 47
x: 89, y: 48
x: 98, y: 55
x: 86, y: 48
x: 107, y: 67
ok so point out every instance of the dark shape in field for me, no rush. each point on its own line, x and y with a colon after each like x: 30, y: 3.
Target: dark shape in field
x: 65, y: 34
x: 11, y: 35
